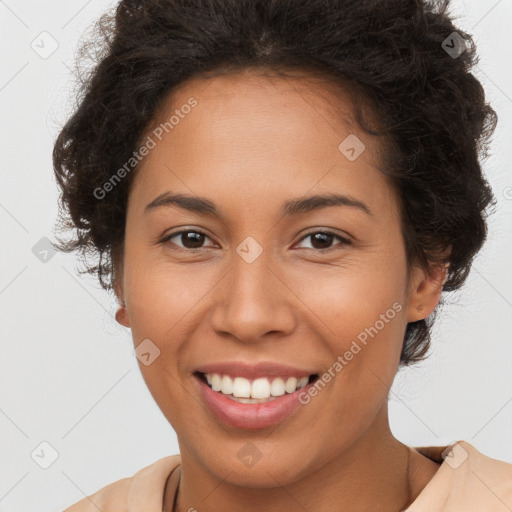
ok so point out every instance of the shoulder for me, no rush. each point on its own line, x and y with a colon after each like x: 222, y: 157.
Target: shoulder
x: 467, y: 480
x: 146, y: 486
x: 489, y: 476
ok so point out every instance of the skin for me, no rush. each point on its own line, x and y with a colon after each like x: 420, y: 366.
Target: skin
x: 252, y: 143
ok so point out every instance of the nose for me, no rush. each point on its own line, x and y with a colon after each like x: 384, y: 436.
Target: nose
x: 253, y: 302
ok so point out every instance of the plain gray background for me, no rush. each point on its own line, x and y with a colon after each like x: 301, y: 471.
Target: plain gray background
x: 68, y: 375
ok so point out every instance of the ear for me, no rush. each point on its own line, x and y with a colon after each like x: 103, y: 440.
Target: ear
x: 121, y: 314
x: 425, y: 291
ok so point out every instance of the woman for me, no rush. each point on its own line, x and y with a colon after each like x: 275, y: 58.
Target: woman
x: 278, y: 192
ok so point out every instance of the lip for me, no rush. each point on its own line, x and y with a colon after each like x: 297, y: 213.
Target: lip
x: 254, y: 371
x: 249, y: 416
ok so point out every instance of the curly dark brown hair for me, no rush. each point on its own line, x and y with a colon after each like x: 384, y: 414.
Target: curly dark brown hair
x: 403, y: 58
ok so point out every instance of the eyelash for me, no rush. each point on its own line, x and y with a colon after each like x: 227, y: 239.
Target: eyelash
x: 344, y: 241
x: 177, y: 233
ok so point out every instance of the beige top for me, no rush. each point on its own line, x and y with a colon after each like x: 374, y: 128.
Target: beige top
x: 466, y: 481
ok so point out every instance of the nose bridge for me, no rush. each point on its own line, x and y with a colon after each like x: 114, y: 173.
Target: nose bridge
x: 253, y: 302
x: 250, y: 279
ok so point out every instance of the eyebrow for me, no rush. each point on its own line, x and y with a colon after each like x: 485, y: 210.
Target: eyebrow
x: 192, y: 203
x: 316, y: 202
x: 204, y: 206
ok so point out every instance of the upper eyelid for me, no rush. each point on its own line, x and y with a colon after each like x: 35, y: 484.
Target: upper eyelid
x: 180, y: 232
x: 322, y: 230
x: 343, y: 239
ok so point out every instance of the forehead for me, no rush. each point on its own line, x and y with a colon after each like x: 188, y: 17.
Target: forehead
x: 263, y: 104
x: 261, y: 135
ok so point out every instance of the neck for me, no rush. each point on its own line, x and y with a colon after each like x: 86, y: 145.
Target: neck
x: 370, y: 474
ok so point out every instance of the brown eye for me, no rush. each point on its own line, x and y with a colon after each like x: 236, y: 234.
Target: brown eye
x: 187, y: 239
x: 323, y: 240
x: 192, y: 240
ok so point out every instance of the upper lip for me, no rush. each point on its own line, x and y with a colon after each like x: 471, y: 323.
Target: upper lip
x: 254, y: 371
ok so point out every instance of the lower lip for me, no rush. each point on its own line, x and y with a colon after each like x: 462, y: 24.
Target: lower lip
x: 250, y: 416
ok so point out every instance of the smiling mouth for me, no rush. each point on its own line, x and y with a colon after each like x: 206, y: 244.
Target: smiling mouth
x: 252, y: 391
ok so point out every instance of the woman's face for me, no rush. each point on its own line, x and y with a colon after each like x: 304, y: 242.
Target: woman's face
x: 255, y: 281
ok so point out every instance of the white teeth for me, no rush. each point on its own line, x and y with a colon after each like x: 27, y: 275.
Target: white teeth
x: 216, y: 382
x: 251, y: 400
x: 241, y: 387
x: 259, y: 389
x: 302, y: 382
x: 290, y: 385
x: 227, y: 385
x: 277, y: 387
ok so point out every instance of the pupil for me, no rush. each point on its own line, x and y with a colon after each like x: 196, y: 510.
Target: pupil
x: 192, y: 240
x: 324, y: 238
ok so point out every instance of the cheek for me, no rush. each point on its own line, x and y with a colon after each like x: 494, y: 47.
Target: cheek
x: 351, y: 295
x: 359, y: 307
x: 164, y: 304
x: 160, y: 295
x: 370, y: 348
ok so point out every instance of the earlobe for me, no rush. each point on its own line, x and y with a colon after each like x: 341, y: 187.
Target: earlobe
x: 426, y: 292
x: 122, y: 316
